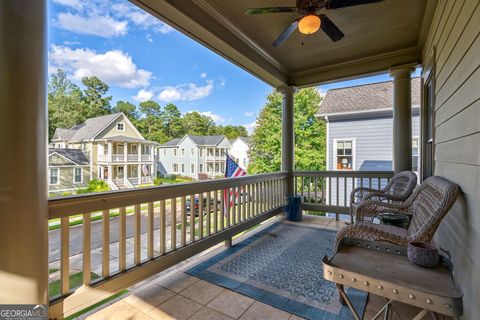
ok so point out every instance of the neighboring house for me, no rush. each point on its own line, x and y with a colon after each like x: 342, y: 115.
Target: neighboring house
x: 360, y: 128
x: 198, y: 157
x: 69, y: 169
x: 239, y: 151
x: 116, y: 151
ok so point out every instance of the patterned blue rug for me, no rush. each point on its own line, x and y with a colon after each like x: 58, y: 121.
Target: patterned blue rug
x: 282, y: 266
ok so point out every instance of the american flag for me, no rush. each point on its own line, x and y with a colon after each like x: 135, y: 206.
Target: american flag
x: 232, y: 170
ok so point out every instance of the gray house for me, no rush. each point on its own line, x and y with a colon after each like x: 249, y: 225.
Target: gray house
x: 360, y: 129
x: 68, y: 170
x: 198, y: 157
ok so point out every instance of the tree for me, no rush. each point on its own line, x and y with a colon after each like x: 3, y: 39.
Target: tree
x: 128, y: 108
x: 172, y: 121
x: 265, y: 149
x: 97, y: 104
x: 151, y: 124
x: 197, y: 124
x: 233, y: 132
x: 65, y: 103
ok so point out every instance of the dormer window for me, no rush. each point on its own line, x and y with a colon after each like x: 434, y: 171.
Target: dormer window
x: 120, y: 126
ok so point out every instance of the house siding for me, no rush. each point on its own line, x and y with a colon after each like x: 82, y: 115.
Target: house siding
x: 66, y: 183
x: 372, y: 150
x: 454, y: 42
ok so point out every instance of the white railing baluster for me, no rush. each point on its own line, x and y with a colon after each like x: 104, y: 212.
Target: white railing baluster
x: 163, y: 231
x: 215, y: 211
x: 200, y: 215
x: 192, y: 218
x: 105, y: 243
x: 222, y: 209
x: 183, y: 223
x: 87, y: 233
x: 122, y: 234
x: 173, y: 223
x: 209, y: 215
x: 136, y: 234
x: 151, y: 229
x: 65, y: 254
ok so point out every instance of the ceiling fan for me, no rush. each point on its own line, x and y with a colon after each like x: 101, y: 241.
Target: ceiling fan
x: 311, y: 19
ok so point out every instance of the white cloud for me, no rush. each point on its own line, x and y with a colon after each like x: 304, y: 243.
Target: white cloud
x: 114, y: 67
x: 249, y: 113
x: 143, y: 95
x: 250, y: 127
x: 187, y: 92
x: 222, y: 81
x: 102, y: 26
x: 149, y: 38
x: 203, y: 75
x: 215, y: 117
x: 141, y: 18
x: 322, y: 91
x: 76, y: 4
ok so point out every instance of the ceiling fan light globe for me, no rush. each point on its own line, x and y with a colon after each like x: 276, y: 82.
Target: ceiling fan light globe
x: 309, y: 24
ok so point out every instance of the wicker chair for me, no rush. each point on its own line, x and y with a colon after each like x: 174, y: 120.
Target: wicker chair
x: 398, y: 189
x: 427, y: 206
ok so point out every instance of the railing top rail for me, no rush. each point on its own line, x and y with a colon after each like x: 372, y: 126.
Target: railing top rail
x: 76, y: 204
x: 344, y: 173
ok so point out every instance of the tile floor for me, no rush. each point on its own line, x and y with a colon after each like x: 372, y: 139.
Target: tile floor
x: 175, y: 295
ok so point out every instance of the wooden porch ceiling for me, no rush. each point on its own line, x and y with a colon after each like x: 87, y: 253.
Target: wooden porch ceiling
x: 377, y: 36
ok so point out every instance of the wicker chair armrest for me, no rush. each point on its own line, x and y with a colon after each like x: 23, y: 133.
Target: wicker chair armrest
x: 368, y: 210
x: 363, y: 191
x: 379, y: 195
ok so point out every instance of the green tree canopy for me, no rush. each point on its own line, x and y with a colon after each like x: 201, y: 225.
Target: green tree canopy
x: 231, y: 132
x: 128, y: 108
x: 197, y: 124
x: 265, y: 149
x: 97, y: 104
x: 65, y: 103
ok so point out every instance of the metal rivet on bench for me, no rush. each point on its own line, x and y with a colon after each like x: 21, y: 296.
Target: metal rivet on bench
x: 448, y: 306
x: 429, y: 301
x: 354, y: 280
x: 411, y: 296
x: 340, y: 276
x: 395, y: 291
x: 380, y: 287
x: 366, y: 283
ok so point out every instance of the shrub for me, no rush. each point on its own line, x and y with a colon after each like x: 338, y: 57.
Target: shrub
x: 94, y: 186
x: 157, y: 181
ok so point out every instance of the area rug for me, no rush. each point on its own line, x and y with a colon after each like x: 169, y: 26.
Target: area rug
x: 282, y: 266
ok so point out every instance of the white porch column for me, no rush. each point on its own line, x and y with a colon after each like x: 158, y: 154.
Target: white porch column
x: 125, y: 152
x: 110, y: 152
x: 288, y: 135
x: 139, y: 151
x: 110, y: 172
x: 139, y: 173
x: 125, y: 173
x: 402, y: 117
x: 23, y: 165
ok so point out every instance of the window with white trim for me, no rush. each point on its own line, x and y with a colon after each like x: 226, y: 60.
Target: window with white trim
x: 200, y: 168
x: 174, y: 152
x: 192, y: 152
x: 201, y: 152
x: 183, y: 168
x: 344, y: 154
x: 120, y: 126
x: 77, y: 175
x: 415, y: 155
x: 192, y: 168
x: 183, y: 152
x: 54, y: 176
x: 174, y: 167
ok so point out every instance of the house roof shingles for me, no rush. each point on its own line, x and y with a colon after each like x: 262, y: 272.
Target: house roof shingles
x: 199, y: 140
x: 87, y: 130
x: 369, y: 97
x: 75, y: 155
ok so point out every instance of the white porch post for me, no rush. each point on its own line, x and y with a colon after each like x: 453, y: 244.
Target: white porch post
x: 288, y: 135
x: 110, y: 153
x: 139, y: 173
x: 23, y: 165
x: 402, y: 117
x: 109, y: 172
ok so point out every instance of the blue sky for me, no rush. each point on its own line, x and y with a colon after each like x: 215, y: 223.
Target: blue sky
x: 142, y: 58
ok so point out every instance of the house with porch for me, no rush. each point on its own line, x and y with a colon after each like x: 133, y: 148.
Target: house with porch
x: 197, y: 157
x: 116, y: 151
x: 239, y: 151
x: 394, y: 36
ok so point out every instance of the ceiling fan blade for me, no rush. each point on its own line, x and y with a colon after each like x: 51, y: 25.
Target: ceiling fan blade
x: 335, y: 4
x: 252, y: 11
x: 285, y: 34
x: 332, y: 31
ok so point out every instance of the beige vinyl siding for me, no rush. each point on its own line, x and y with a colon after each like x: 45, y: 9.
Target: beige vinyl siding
x: 66, y: 179
x: 455, y: 42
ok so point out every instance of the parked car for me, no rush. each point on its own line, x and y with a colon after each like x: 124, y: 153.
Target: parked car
x: 196, y: 206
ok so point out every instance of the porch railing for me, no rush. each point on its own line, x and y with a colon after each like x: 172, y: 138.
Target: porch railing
x: 146, y: 157
x: 157, y: 216
x: 118, y: 157
x: 329, y: 191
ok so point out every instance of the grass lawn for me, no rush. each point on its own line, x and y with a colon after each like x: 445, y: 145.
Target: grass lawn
x: 76, y: 280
